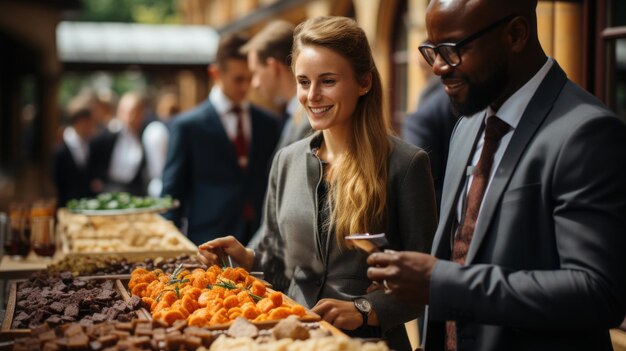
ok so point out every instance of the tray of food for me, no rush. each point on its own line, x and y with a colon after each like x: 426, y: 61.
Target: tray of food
x: 137, y: 236
x: 121, y: 203
x: 62, y: 298
x: 213, y: 298
x: 112, y: 264
x: 157, y: 336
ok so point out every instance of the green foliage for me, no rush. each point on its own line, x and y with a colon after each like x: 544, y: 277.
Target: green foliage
x: 133, y: 11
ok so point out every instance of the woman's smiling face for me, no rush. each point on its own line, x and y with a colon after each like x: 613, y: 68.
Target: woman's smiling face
x: 327, y: 87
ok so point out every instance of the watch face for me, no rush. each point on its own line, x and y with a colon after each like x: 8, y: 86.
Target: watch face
x: 362, y: 304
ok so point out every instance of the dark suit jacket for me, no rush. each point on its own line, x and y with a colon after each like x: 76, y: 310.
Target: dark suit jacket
x: 317, y: 272
x: 71, y: 181
x: 546, y: 268
x: 202, y: 172
x: 430, y: 128
x: 100, y: 162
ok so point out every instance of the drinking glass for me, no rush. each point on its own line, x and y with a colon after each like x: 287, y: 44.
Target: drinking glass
x: 17, y: 237
x: 43, y: 236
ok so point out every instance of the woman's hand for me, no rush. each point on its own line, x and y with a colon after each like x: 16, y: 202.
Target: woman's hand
x: 341, y: 314
x: 211, y: 252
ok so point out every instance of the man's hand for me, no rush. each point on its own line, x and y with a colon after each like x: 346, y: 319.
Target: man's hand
x: 404, y: 274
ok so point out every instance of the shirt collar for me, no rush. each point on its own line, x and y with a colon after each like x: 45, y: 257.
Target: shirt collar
x: 71, y: 137
x: 222, y: 103
x: 512, y: 109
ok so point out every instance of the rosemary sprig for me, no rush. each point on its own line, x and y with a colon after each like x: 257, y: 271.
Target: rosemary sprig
x: 158, y: 297
x: 174, y: 278
x: 256, y: 298
x: 226, y: 284
x: 177, y: 271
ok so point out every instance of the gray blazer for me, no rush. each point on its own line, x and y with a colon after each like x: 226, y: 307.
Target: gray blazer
x: 546, y: 268
x: 327, y: 272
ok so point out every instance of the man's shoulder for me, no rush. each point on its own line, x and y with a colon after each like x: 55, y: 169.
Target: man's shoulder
x: 263, y: 115
x: 576, y: 101
x: 60, y: 150
x: 194, y: 115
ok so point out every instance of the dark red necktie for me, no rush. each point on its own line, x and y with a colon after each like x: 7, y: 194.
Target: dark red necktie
x: 494, y: 131
x: 241, y: 149
x: 240, y: 142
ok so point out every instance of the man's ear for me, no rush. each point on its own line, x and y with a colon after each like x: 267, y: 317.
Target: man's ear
x: 214, y: 72
x: 518, y: 34
x: 274, y: 64
x: 365, y: 84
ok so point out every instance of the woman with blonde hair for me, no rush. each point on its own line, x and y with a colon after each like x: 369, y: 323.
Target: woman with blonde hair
x: 349, y: 177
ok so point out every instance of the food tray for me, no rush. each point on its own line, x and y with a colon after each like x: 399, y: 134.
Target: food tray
x: 9, y: 333
x: 127, y: 211
x: 309, y: 317
x: 131, y: 237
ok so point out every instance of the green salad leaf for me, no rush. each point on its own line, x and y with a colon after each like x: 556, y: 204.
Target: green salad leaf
x: 118, y: 201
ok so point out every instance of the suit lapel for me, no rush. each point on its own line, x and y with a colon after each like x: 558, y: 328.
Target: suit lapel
x: 215, y: 123
x: 461, y: 148
x: 534, y: 115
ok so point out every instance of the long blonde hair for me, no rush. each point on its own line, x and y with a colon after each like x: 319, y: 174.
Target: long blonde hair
x: 358, y: 182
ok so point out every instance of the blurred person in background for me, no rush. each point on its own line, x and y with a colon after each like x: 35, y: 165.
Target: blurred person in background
x: 155, y: 139
x: 269, y: 60
x: 118, y: 159
x: 219, y: 153
x: 71, y: 171
x: 351, y: 176
x: 103, y: 107
x: 430, y: 126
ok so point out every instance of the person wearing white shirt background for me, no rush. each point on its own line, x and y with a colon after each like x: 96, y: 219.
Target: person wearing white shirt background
x: 155, y: 138
x: 118, y: 158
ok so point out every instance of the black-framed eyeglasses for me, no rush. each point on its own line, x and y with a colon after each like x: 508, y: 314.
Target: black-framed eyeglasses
x: 450, y: 51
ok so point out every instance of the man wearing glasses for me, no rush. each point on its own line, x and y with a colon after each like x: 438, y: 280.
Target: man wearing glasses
x: 529, y: 252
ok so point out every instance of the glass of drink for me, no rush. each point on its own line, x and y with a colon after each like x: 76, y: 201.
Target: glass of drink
x: 43, y: 237
x: 17, y: 237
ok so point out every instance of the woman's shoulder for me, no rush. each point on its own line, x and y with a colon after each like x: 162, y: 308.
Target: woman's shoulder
x: 299, y: 147
x: 403, y: 151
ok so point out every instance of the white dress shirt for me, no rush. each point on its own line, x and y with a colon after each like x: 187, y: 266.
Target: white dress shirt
x: 510, y: 112
x: 79, y: 148
x: 126, y: 158
x: 224, y: 107
x: 155, y: 138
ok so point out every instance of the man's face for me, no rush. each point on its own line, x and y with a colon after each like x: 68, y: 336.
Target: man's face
x: 235, y: 80
x: 482, y: 76
x: 131, y: 112
x: 264, y: 81
x: 86, y: 128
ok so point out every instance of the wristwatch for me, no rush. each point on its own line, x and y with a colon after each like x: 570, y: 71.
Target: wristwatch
x: 364, y: 307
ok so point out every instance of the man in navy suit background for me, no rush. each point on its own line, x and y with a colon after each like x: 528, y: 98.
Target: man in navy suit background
x: 72, y: 175
x: 219, y: 153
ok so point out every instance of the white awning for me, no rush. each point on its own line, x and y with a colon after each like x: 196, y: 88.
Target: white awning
x: 130, y: 43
